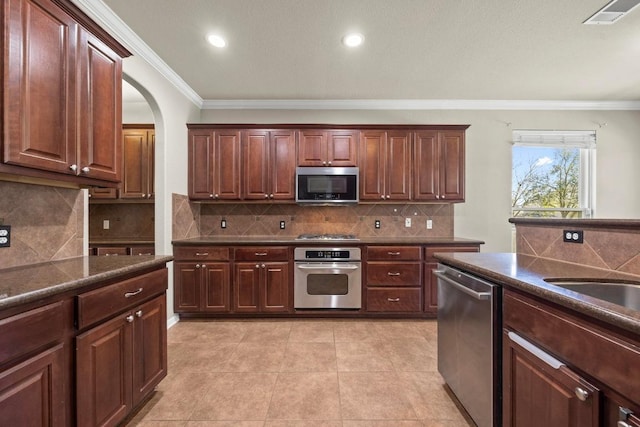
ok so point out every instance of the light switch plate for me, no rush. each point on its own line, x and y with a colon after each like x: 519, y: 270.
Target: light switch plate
x: 5, y: 236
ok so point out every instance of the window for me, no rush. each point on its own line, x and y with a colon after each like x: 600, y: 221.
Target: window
x: 553, y: 174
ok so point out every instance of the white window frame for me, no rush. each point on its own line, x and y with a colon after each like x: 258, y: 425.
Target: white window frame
x: 586, y: 142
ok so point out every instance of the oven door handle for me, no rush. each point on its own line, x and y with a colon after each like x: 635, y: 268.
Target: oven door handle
x: 320, y: 266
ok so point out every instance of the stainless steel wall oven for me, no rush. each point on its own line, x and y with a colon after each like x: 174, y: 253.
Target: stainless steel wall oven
x: 327, y: 278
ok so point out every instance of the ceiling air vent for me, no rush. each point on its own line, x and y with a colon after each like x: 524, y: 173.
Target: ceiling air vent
x: 612, y: 12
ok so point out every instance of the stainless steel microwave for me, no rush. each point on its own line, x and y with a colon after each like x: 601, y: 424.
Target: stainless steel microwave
x: 327, y: 186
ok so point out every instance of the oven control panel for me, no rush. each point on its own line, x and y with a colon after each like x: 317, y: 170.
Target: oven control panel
x: 327, y: 254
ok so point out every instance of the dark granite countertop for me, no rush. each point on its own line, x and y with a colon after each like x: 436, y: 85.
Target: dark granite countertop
x: 289, y: 240
x: 122, y: 242
x: 20, y: 285
x: 600, y: 223
x: 527, y: 273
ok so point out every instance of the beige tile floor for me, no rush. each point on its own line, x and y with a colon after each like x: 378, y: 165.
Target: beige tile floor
x: 275, y: 373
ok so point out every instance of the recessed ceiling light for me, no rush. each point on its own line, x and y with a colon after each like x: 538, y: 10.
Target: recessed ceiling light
x: 216, y: 40
x: 353, y: 40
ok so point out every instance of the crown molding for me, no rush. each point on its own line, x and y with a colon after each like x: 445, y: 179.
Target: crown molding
x: 413, y: 104
x: 107, y: 19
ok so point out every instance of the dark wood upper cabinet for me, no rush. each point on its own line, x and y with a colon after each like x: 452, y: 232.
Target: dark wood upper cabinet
x: 62, y: 94
x: 268, y: 164
x: 439, y: 166
x: 214, y: 164
x: 319, y: 147
x: 385, y: 165
x: 138, y: 163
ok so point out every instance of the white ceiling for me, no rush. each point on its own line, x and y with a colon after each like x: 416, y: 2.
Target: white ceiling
x: 414, y: 49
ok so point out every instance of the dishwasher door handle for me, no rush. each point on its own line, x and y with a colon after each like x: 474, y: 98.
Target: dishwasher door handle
x: 462, y: 288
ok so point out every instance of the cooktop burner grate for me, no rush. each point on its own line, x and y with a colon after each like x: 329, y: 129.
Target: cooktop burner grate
x: 327, y: 237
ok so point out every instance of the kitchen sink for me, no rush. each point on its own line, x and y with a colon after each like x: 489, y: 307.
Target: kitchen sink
x: 620, y: 293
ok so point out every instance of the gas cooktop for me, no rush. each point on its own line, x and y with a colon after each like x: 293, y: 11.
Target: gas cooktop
x: 326, y: 237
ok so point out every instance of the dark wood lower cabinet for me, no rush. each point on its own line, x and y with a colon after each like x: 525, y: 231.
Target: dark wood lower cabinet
x: 539, y: 390
x: 32, y: 392
x: 119, y: 363
x: 261, y: 287
x: 201, y: 287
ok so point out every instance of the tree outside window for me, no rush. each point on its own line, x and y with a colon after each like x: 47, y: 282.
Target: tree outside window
x: 551, y: 177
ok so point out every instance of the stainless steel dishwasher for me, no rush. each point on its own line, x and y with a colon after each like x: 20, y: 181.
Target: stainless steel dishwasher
x: 469, y: 342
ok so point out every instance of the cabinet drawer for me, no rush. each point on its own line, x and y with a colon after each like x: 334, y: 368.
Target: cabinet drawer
x: 430, y: 250
x: 383, y: 253
x: 111, y: 251
x: 31, y: 330
x: 394, y: 274
x: 142, y: 250
x: 201, y: 253
x: 394, y: 299
x: 105, y: 302
x: 265, y: 253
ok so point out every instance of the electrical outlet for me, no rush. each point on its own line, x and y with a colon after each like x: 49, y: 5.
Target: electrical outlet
x: 573, y: 236
x: 282, y: 225
x: 223, y: 223
x: 429, y: 224
x: 105, y: 224
x: 407, y: 222
x: 5, y: 236
x: 376, y: 223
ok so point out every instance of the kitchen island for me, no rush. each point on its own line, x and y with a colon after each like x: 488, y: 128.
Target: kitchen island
x: 570, y: 358
x: 82, y: 340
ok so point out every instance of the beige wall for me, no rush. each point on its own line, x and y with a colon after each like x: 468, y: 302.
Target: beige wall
x: 485, y: 213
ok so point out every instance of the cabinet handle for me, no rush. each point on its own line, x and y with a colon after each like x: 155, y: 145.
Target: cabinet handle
x: 202, y: 253
x: 382, y: 196
x: 73, y: 167
x: 393, y: 299
x: 266, y: 196
x: 271, y: 196
x: 261, y: 253
x: 444, y: 197
x: 139, y: 313
x: 329, y: 163
x: 437, y: 196
x: 324, y: 163
x: 129, y: 318
x: 211, y: 196
x: 392, y: 274
x: 388, y: 197
x: 85, y: 169
x: 581, y: 394
x: 623, y: 416
x: 148, y: 253
x: 132, y: 294
x: 393, y: 253
x: 215, y: 195
x: 144, y: 196
x: 257, y: 265
x: 149, y: 196
x: 263, y: 266
x: 546, y: 358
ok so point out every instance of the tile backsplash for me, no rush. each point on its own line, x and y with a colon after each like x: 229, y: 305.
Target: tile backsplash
x: 127, y: 221
x: 194, y: 220
x: 612, y: 249
x: 46, y: 223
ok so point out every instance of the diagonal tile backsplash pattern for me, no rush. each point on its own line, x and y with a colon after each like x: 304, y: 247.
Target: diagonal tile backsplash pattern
x: 613, y: 249
x: 46, y: 223
x: 193, y: 219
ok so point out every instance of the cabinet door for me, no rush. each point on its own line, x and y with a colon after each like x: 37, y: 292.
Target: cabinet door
x: 201, y: 151
x: 186, y: 286
x: 32, y: 393
x: 342, y: 148
x: 398, y: 166
x: 151, y: 163
x: 372, y: 165
x: 541, y: 391
x: 275, y: 287
x: 246, y: 285
x: 451, y: 166
x: 426, y: 180
x: 149, y: 347
x: 226, y: 165
x: 430, y: 288
x: 255, y: 165
x: 104, y: 373
x: 100, y: 109
x: 39, y: 85
x: 283, y: 165
x: 312, y: 148
x: 136, y: 157
x: 216, y: 287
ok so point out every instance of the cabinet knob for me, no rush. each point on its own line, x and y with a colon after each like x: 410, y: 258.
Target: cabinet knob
x: 388, y: 196
x: 266, y: 196
x: 73, y: 167
x: 257, y: 265
x: 197, y: 265
x: 211, y: 196
x: 149, y: 195
x: 444, y: 197
x: 139, y: 313
x: 623, y: 416
x: 263, y: 266
x: 215, y: 195
x: 324, y: 163
x: 144, y: 195
x: 271, y: 196
x: 329, y: 163
x: 85, y: 169
x: 581, y: 394
x: 382, y: 196
x: 437, y: 196
x: 129, y: 318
